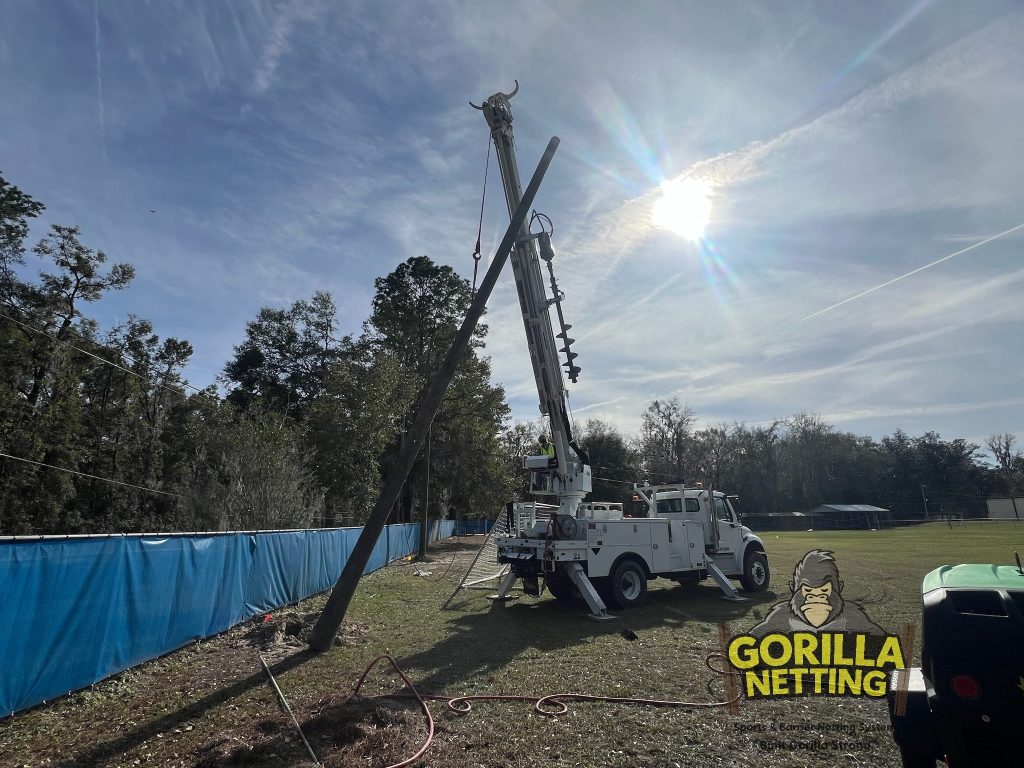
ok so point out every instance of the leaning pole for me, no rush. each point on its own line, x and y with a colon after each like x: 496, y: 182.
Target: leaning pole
x: 330, y: 620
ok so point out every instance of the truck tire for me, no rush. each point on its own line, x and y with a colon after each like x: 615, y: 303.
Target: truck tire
x: 560, y: 585
x: 756, y: 573
x: 628, y: 585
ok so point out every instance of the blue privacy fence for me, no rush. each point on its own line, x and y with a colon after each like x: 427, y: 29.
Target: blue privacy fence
x: 470, y: 527
x: 77, y: 610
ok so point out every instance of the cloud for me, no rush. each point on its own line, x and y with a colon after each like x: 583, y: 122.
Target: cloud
x: 934, y: 409
x: 279, y: 39
x: 619, y: 232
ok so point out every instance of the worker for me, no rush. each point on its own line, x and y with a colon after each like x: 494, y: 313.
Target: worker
x: 546, y: 448
x: 542, y: 478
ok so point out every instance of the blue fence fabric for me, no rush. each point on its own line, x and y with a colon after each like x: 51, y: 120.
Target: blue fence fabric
x: 471, y: 527
x: 75, y: 611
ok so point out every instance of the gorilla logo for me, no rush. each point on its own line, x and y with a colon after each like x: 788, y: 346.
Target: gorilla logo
x: 817, y: 603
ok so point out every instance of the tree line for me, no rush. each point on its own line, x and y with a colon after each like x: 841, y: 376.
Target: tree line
x: 100, y: 431
x: 798, y: 463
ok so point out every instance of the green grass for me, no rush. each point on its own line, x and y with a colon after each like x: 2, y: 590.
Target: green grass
x: 171, y: 711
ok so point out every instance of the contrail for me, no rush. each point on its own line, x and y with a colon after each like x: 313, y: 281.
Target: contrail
x: 99, y: 81
x: 915, y: 271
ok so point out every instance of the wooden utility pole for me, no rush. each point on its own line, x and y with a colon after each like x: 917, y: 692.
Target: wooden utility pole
x: 425, y: 517
x: 330, y: 620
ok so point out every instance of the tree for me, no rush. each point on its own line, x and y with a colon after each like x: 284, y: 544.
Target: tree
x: 286, y: 356
x: 349, y: 427
x: 1008, y: 462
x: 258, y: 475
x: 417, y: 310
x: 515, y: 442
x: 712, y: 455
x: 756, y: 466
x: 42, y: 375
x: 125, y: 411
x: 16, y: 208
x: 664, y: 438
x: 614, y: 461
x: 807, y: 461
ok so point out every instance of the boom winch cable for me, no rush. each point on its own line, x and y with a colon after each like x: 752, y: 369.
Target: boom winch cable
x: 480, y: 225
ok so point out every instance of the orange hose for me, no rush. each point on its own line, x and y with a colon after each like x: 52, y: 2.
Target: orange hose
x: 461, y: 704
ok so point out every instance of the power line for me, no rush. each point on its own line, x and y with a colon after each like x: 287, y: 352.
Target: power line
x: 636, y: 471
x: 97, y: 357
x: 93, y: 477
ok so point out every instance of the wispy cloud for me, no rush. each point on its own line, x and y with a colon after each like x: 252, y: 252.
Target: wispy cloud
x: 887, y: 412
x: 279, y: 40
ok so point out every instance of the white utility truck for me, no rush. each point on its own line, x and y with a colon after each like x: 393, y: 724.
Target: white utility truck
x: 679, y: 532
x: 607, y: 557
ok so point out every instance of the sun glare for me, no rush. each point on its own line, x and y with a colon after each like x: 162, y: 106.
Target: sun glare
x: 684, y: 208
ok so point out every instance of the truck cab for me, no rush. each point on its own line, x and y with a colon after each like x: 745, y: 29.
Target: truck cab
x: 726, y: 540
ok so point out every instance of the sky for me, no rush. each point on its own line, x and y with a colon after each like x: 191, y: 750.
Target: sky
x: 288, y: 147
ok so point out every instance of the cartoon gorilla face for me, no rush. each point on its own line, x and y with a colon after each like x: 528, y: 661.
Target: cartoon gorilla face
x: 817, y: 589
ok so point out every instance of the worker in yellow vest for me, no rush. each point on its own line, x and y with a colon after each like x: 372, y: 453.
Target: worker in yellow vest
x: 543, y: 478
x: 546, y: 448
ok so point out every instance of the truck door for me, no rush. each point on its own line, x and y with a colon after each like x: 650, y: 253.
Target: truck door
x: 710, y: 523
x: 728, y: 528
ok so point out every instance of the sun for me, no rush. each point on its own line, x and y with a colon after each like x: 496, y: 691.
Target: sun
x: 684, y: 208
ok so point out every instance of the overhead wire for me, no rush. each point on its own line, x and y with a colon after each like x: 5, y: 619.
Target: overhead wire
x: 86, y: 474
x: 119, y: 353
x: 111, y: 363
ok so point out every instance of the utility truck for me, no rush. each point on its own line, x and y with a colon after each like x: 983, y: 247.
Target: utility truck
x: 679, y: 532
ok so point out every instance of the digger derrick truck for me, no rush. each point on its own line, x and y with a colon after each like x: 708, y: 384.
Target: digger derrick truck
x: 680, y: 533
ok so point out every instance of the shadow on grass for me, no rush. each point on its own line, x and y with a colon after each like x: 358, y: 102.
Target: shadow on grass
x: 167, y: 723
x: 483, y: 637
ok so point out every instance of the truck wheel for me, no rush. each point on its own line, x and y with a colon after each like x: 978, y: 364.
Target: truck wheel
x: 559, y: 585
x: 628, y: 584
x: 756, y: 574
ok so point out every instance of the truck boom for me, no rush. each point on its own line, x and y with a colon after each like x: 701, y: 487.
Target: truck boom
x: 568, y: 477
x: 591, y: 550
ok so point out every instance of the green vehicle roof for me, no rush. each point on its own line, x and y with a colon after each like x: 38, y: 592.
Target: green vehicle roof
x: 972, y: 576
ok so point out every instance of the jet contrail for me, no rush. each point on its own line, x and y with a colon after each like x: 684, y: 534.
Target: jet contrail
x: 99, y: 81
x: 915, y: 271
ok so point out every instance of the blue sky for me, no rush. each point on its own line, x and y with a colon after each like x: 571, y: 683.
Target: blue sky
x: 292, y: 146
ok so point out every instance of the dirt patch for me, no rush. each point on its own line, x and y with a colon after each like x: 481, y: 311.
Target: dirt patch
x: 281, y: 633
x: 365, y: 731
x: 343, y: 732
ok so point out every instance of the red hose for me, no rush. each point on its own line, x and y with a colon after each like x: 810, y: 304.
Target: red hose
x: 462, y: 704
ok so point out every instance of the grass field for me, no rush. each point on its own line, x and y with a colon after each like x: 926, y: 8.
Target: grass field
x: 210, y: 704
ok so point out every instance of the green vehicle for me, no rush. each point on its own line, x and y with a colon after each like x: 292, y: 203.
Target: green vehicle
x: 965, y: 704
